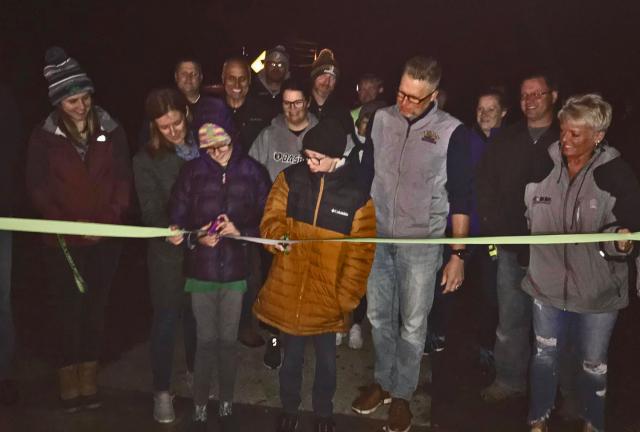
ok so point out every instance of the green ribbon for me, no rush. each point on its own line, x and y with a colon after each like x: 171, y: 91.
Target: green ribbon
x: 130, y: 231
x: 61, y: 228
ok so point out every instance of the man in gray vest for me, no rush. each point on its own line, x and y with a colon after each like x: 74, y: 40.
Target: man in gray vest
x: 422, y: 173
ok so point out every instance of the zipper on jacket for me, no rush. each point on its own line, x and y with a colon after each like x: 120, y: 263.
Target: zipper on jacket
x: 395, y: 195
x: 320, y: 192
x: 567, y: 266
x: 315, y: 221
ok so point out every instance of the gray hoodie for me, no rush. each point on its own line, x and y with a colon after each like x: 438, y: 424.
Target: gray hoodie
x: 603, y: 196
x: 277, y: 147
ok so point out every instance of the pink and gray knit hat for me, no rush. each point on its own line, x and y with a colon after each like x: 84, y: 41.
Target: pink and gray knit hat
x: 212, y: 135
x: 64, y: 75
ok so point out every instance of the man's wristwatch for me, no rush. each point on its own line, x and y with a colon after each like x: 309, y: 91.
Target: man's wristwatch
x: 460, y: 253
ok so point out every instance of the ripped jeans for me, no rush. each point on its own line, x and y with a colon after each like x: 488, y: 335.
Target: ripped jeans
x: 592, y: 332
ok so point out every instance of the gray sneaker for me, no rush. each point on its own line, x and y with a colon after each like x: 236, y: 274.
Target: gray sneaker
x: 200, y: 414
x: 225, y: 409
x: 163, y: 407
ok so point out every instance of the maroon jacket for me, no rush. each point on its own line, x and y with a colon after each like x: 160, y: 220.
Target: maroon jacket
x: 64, y: 187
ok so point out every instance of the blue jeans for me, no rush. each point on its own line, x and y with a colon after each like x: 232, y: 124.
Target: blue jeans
x: 324, y: 381
x: 513, y: 335
x: 163, y: 335
x: 7, y: 336
x: 401, y: 283
x: 591, y: 334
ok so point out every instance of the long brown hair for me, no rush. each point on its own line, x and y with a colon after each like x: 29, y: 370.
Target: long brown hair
x: 158, y: 103
x: 70, y: 128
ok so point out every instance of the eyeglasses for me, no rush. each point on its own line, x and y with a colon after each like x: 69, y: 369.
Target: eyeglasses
x: 189, y: 75
x: 314, y: 160
x: 293, y: 104
x: 278, y: 65
x: 401, y: 96
x: 535, y: 95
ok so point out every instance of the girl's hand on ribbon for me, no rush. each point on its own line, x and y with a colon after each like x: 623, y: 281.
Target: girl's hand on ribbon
x: 226, y: 226
x: 176, y: 239
x: 209, y: 240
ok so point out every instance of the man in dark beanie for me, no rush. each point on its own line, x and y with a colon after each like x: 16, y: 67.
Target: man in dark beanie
x: 268, y: 85
x: 324, y: 77
x: 312, y: 287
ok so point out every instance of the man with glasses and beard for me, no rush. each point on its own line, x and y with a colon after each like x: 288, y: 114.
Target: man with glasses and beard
x: 422, y: 174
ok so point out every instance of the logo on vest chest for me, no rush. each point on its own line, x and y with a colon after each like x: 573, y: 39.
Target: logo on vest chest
x: 542, y: 200
x: 339, y: 212
x: 430, y: 137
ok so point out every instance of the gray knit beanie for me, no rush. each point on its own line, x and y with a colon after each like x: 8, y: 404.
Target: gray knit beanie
x: 64, y: 75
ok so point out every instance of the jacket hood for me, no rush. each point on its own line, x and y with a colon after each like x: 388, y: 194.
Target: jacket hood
x: 107, y: 123
x: 280, y: 122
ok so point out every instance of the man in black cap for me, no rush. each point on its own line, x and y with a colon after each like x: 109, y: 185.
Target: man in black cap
x: 324, y: 77
x: 312, y: 287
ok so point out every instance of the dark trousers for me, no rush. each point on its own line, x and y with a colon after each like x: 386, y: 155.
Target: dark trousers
x: 324, y: 381
x: 80, y: 316
x: 255, y: 279
x: 163, y: 332
x: 360, y: 311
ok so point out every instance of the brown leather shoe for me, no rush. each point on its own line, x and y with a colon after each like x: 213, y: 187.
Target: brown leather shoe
x: 370, y: 399
x: 399, y: 416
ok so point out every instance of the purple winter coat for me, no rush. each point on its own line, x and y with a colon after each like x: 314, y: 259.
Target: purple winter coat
x: 204, y: 190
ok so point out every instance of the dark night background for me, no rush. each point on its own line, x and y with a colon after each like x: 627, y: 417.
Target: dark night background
x: 128, y: 47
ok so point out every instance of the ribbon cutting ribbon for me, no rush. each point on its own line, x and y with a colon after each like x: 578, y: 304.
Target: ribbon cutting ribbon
x: 129, y: 231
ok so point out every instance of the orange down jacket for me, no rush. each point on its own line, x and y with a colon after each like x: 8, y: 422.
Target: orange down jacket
x: 312, y: 288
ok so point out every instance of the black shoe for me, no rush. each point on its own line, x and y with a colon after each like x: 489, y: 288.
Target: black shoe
x: 434, y: 344
x: 273, y: 353
x: 8, y: 392
x: 91, y: 402
x: 287, y: 423
x: 71, y: 406
x: 324, y: 424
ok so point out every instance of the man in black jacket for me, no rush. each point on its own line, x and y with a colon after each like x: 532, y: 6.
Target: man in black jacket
x: 250, y: 115
x: 513, y: 156
x: 324, y: 76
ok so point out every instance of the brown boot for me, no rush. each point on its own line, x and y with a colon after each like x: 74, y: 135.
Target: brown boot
x: 370, y: 398
x: 399, y: 416
x: 69, y: 388
x: 88, y: 374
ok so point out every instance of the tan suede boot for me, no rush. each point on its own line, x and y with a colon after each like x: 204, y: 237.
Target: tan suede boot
x: 88, y: 375
x: 69, y: 388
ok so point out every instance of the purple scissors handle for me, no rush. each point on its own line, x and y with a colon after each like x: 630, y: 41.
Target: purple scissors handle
x: 215, y: 225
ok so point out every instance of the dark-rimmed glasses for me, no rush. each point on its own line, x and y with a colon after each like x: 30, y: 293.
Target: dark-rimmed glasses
x: 293, y: 104
x: 535, y: 95
x: 414, y: 100
x: 314, y: 160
